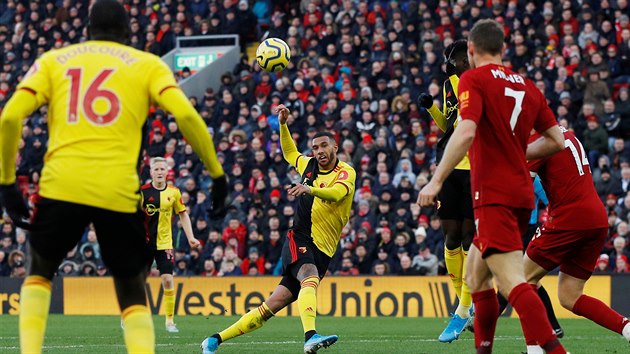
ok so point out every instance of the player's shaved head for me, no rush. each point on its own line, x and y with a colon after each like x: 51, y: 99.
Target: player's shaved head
x: 487, y: 36
x: 456, y: 50
x: 108, y: 21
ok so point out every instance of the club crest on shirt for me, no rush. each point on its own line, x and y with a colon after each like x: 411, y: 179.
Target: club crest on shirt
x: 302, y: 249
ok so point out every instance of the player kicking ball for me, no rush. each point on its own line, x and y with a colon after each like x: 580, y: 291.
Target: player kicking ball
x: 324, y: 204
x: 572, y: 237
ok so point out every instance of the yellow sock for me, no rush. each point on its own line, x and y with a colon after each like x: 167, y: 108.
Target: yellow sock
x: 139, y: 334
x: 453, y: 260
x: 34, y: 307
x: 466, y: 299
x: 169, y: 304
x: 307, y: 302
x: 249, y: 322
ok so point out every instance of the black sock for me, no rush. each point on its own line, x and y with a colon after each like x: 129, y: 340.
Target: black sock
x: 502, y: 303
x: 218, y: 337
x: 309, y: 334
x: 551, y: 315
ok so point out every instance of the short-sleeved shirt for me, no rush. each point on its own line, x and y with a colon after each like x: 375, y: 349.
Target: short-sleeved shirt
x: 566, y: 177
x: 505, y: 107
x: 320, y: 219
x: 98, y: 94
x: 159, y: 205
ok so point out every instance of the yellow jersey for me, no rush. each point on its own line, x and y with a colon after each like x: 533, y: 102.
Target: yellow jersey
x: 449, y: 117
x: 98, y: 94
x: 322, y: 214
x: 159, y: 205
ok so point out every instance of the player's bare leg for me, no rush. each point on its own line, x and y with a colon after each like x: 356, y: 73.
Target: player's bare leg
x: 572, y: 298
x: 308, y: 276
x: 252, y: 320
x: 169, y: 302
x: 508, y: 271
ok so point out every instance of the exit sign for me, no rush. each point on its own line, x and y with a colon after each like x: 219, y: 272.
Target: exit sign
x: 194, y: 61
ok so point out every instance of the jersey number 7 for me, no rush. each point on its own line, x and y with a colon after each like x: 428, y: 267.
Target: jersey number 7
x: 518, y: 105
x: 90, y: 96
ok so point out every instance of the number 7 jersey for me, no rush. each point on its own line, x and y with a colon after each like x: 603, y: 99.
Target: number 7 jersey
x: 98, y: 94
x: 505, y: 107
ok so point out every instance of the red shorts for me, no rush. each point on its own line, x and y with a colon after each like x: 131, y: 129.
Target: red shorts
x: 575, y: 251
x: 500, y: 229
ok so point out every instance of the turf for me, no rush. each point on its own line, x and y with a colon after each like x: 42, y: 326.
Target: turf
x: 102, y: 334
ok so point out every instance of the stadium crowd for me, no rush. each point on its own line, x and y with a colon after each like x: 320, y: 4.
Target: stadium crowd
x: 356, y: 70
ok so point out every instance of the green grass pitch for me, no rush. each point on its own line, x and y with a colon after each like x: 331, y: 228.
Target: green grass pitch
x: 102, y: 334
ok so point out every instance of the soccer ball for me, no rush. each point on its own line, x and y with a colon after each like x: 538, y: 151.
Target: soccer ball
x: 273, y: 55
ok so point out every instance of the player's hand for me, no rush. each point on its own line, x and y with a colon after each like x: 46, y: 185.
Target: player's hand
x: 169, y: 254
x: 283, y: 113
x: 194, y: 243
x: 218, y: 208
x: 297, y: 190
x: 425, y: 100
x: 14, y: 203
x: 428, y: 194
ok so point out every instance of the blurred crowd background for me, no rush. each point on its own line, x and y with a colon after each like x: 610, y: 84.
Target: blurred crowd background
x: 356, y: 70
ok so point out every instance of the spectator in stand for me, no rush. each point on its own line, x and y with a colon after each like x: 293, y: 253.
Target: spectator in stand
x: 254, y: 259
x: 602, y: 267
x: 347, y: 267
x: 425, y: 262
x: 621, y: 265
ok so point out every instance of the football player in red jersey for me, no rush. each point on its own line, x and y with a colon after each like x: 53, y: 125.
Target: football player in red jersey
x: 573, y: 236
x: 505, y: 107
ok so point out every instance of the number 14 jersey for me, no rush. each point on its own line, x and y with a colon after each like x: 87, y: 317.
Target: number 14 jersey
x: 566, y: 177
x: 505, y: 107
x: 98, y: 94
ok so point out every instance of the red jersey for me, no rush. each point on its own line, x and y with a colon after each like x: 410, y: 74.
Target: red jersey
x: 505, y: 107
x: 566, y: 177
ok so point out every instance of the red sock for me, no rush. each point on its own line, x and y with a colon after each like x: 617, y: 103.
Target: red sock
x: 533, y: 316
x: 599, y: 313
x: 486, y: 314
x: 530, y: 338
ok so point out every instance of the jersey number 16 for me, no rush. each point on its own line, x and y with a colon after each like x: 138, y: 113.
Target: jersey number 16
x: 90, y: 96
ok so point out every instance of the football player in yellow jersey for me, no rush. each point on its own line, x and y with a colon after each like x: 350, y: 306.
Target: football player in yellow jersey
x: 455, y: 208
x: 324, y: 203
x: 159, y: 201
x: 99, y: 93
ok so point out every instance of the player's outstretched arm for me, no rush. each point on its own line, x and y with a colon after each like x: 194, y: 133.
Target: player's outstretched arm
x: 289, y: 150
x: 192, y: 126
x: 425, y: 100
x: 19, y: 107
x: 334, y: 193
x: 195, y: 130
x: 552, y: 141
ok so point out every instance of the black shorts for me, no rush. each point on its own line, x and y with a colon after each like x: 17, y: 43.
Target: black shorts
x: 455, y: 198
x: 165, y: 262
x: 297, y: 251
x: 58, y: 226
x: 528, y: 235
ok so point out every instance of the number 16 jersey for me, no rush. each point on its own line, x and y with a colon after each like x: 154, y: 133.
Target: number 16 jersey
x: 505, y: 107
x: 98, y: 94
